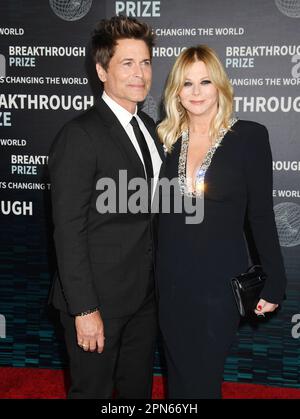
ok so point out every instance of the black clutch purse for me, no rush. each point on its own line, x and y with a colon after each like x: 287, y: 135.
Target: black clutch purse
x: 247, y: 288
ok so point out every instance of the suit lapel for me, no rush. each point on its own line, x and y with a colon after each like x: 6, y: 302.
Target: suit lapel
x: 120, y: 137
x: 123, y: 142
x: 152, y: 131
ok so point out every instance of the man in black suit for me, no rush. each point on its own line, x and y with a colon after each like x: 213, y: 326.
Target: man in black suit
x: 105, y: 288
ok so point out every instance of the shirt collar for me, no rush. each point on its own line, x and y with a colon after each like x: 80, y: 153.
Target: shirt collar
x: 121, y: 113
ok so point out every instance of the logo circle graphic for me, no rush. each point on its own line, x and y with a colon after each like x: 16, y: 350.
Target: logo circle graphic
x: 287, y: 217
x: 290, y: 8
x: 70, y: 9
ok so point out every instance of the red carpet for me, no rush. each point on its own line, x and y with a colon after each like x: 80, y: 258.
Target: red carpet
x: 34, y: 383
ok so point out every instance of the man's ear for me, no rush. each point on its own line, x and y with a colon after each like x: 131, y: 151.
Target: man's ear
x: 101, y: 72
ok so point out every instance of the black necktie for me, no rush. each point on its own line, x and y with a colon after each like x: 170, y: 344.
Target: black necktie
x: 143, y: 147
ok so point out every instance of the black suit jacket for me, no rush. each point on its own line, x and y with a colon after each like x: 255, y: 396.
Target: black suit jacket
x: 103, y: 259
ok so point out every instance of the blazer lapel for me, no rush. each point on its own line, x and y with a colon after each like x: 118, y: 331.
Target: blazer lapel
x: 152, y: 131
x: 120, y: 137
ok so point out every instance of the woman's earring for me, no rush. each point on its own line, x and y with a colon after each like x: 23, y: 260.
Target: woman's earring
x: 179, y: 105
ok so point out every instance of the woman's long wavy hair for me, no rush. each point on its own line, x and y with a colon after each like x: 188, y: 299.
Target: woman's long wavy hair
x: 176, y: 119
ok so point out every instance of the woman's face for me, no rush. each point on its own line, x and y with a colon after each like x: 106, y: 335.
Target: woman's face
x: 198, y: 95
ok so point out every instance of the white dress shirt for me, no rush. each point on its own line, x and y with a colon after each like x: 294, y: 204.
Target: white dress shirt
x: 125, y: 117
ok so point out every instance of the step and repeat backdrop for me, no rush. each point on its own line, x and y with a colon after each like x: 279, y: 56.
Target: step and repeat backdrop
x: 47, y: 77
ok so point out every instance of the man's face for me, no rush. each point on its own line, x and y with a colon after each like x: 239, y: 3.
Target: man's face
x: 129, y: 74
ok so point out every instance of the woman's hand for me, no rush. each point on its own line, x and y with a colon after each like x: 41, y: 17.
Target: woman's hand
x: 264, y: 307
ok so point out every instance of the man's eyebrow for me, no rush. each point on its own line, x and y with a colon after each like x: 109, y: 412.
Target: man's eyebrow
x: 131, y: 59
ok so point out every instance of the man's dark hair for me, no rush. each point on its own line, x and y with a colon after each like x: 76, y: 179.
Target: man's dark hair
x: 108, y: 32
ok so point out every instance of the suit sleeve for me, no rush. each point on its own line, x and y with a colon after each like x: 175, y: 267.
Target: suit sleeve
x: 260, y: 212
x: 72, y: 165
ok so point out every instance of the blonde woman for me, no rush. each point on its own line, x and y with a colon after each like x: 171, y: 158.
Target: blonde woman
x: 228, y: 163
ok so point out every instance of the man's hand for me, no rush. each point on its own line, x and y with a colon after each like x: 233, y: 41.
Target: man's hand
x: 90, y: 332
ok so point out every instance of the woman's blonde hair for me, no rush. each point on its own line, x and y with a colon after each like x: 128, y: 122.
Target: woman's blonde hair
x: 176, y: 119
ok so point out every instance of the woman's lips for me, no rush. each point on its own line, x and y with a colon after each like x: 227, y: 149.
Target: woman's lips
x: 197, y: 102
